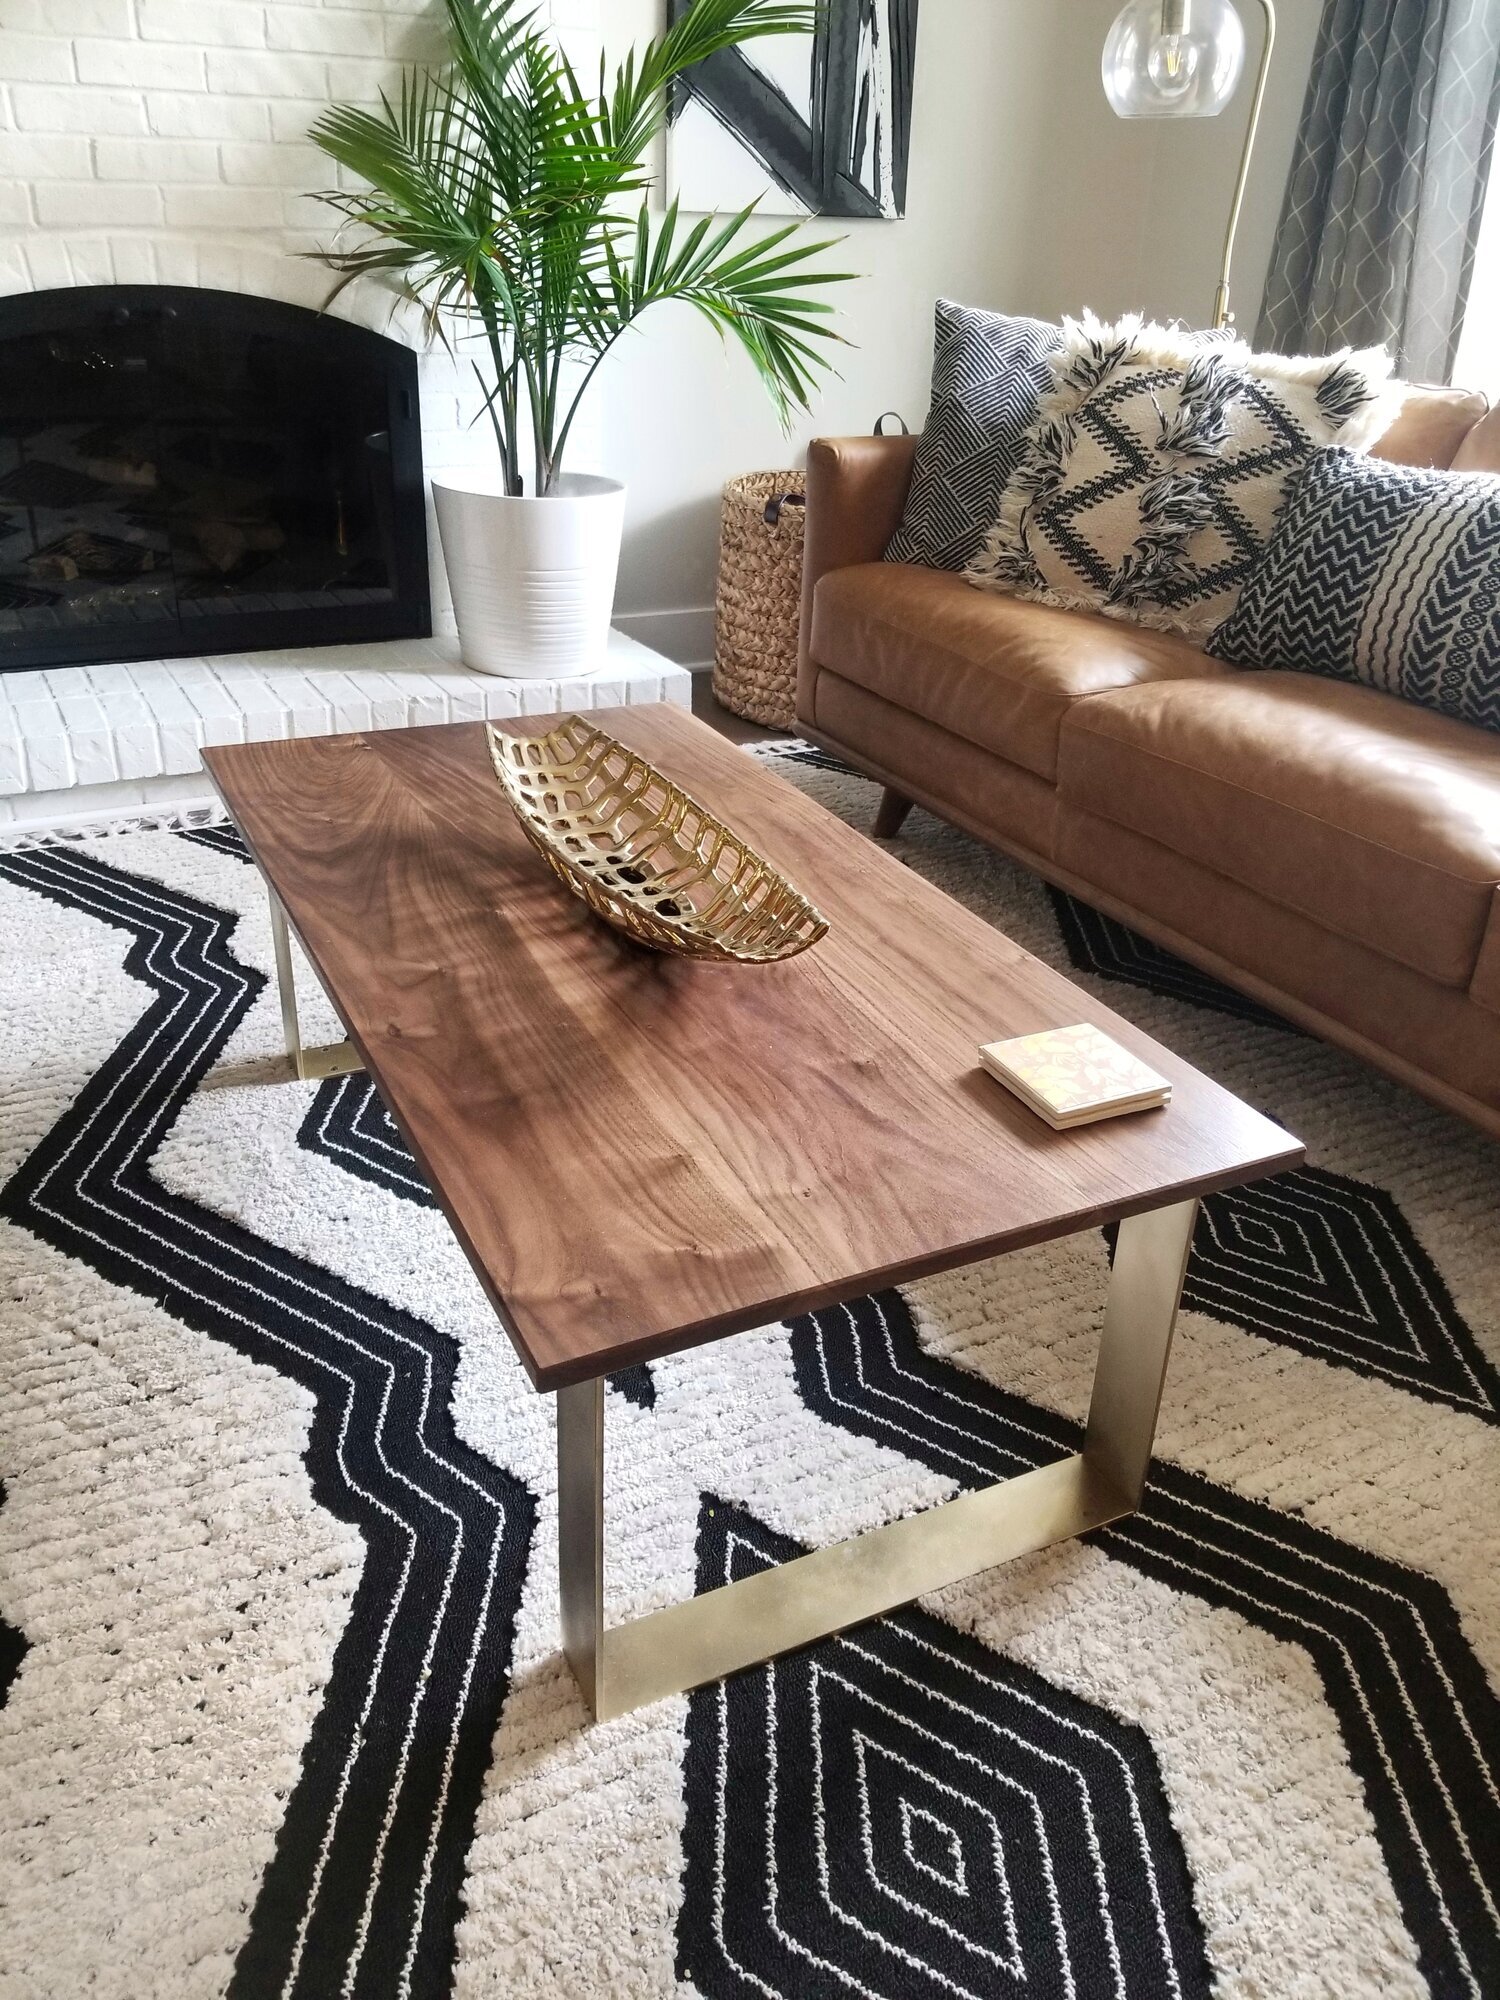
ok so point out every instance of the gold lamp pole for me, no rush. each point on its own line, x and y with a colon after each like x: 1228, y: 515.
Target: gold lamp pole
x: 1262, y: 75
x: 1184, y: 59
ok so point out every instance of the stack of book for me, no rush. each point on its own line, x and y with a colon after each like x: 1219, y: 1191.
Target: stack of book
x: 1074, y: 1076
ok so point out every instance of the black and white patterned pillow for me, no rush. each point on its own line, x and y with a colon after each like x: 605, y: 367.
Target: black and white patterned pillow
x: 989, y: 373
x: 1386, y: 574
x: 1158, y: 464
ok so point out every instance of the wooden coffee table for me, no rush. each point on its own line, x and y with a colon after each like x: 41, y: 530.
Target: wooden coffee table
x: 640, y: 1154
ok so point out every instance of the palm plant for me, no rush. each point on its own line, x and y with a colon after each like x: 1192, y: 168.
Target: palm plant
x: 507, y: 199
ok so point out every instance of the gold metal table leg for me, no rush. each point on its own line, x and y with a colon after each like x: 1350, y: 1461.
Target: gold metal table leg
x: 1140, y: 1313
x: 333, y: 1058
x: 743, y: 1623
x: 299, y: 1064
x: 286, y: 982
x: 580, y: 1532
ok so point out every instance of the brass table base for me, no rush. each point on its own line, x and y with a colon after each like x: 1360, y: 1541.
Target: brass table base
x: 741, y: 1624
x: 299, y: 1064
x: 624, y: 1667
x: 334, y: 1058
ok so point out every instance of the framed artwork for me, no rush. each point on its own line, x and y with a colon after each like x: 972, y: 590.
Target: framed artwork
x: 815, y: 124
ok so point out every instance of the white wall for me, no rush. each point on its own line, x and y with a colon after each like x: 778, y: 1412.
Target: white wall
x: 1193, y: 176
x: 1026, y: 194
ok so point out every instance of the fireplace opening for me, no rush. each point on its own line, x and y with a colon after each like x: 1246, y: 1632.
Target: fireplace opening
x: 186, y: 471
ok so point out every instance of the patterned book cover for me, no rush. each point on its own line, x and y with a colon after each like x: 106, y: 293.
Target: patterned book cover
x: 1073, y: 1072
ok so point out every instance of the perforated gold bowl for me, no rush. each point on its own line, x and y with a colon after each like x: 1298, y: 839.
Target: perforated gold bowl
x: 643, y: 854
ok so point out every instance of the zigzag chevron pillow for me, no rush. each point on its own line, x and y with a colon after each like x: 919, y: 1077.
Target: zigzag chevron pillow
x: 1158, y: 464
x: 989, y: 374
x: 1385, y: 574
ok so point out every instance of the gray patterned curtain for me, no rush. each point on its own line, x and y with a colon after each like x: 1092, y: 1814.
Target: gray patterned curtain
x: 1376, y: 241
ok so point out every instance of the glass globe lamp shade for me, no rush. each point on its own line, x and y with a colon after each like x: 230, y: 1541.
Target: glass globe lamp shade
x: 1173, y: 58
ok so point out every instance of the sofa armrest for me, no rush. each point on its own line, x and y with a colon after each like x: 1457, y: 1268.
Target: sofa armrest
x: 856, y: 489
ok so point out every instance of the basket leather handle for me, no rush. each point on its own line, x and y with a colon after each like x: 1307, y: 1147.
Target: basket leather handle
x: 779, y: 500
x: 880, y: 430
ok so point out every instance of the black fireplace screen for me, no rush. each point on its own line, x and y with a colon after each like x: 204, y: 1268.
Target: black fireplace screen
x: 186, y: 472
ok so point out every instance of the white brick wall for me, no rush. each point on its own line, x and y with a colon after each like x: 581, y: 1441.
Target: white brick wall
x: 165, y: 141
x: 164, y: 70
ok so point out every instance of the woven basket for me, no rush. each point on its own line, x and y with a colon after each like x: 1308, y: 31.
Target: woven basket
x: 760, y: 597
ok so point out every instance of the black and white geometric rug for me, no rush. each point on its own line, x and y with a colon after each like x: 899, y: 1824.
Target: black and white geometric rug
x: 285, y: 1710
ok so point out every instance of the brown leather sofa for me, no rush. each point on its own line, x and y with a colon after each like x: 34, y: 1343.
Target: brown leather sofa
x: 1329, y: 850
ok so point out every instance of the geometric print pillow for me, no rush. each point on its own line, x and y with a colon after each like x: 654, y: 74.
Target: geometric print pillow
x: 1158, y: 464
x: 1384, y: 574
x: 989, y: 374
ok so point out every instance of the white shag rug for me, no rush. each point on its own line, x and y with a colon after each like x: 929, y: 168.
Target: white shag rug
x: 286, y: 1712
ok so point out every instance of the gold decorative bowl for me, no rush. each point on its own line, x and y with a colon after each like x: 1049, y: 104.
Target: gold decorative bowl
x: 643, y: 854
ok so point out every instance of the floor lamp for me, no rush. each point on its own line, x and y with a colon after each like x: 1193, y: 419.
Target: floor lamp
x: 1183, y: 59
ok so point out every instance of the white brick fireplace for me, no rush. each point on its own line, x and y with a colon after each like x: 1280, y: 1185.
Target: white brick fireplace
x: 164, y: 142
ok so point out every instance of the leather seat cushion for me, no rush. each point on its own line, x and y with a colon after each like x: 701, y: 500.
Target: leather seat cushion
x: 991, y: 796
x: 1416, y: 1030
x: 1377, y: 819
x: 993, y: 670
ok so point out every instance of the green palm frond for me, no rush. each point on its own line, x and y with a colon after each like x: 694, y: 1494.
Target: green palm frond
x: 494, y: 192
x: 637, y: 107
x: 755, y: 292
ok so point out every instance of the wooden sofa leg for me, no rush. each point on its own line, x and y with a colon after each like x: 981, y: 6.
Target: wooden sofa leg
x: 890, y: 817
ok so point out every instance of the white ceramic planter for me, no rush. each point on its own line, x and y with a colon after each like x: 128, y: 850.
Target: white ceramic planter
x: 533, y: 581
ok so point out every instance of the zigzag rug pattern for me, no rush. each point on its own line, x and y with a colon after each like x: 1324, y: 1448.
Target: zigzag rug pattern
x: 1307, y: 1257
x: 1328, y: 1264
x: 1010, y: 1789
x: 363, y: 1890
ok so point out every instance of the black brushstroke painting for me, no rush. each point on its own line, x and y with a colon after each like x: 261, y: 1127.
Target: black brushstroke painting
x: 846, y: 154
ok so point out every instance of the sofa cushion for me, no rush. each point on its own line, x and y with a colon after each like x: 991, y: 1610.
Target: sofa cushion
x: 1379, y: 820
x: 987, y: 794
x: 989, y: 373
x: 996, y: 671
x: 1386, y: 574
x: 1157, y: 466
x: 1431, y: 1036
